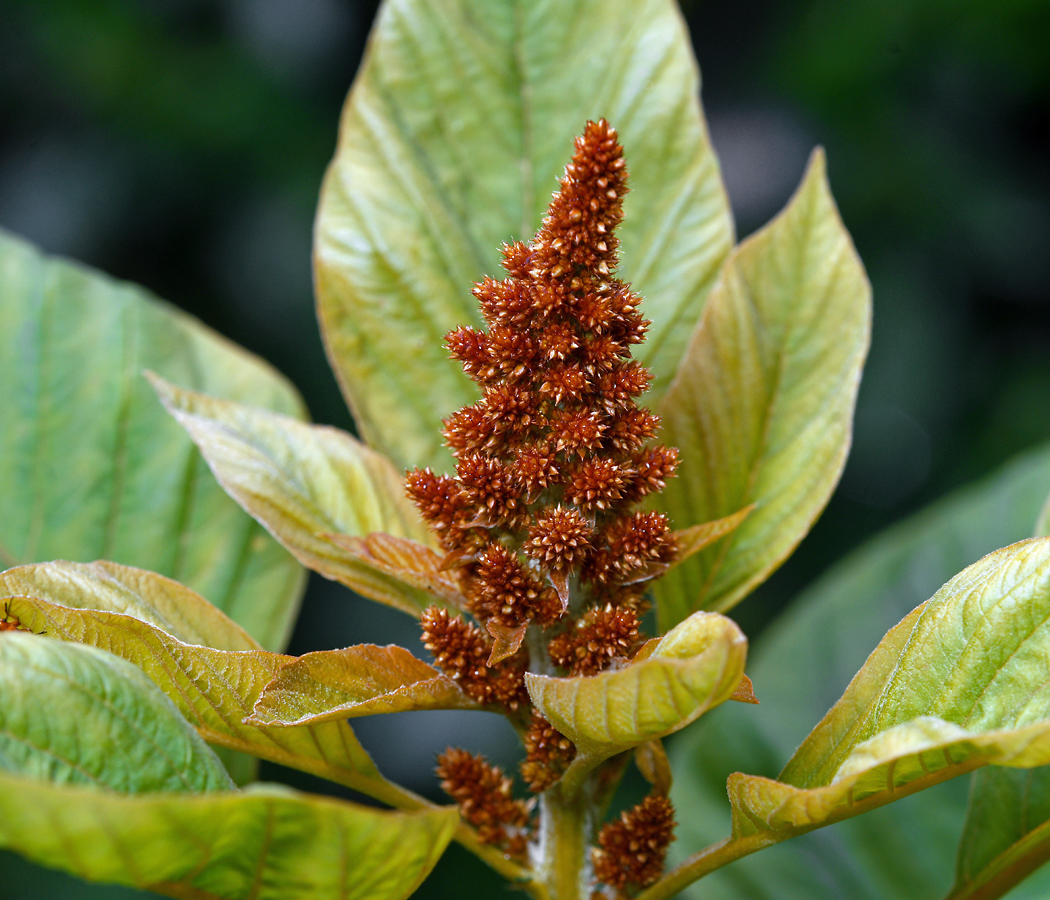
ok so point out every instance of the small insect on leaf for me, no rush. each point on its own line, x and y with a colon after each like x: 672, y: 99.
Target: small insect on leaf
x: 7, y: 621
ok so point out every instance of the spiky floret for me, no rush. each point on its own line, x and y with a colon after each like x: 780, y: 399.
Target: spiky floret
x: 484, y: 797
x: 462, y: 651
x: 547, y: 754
x: 537, y: 520
x: 631, y: 850
x: 602, y: 635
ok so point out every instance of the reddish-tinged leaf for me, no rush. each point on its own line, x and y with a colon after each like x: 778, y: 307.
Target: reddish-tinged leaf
x: 745, y: 692
x: 695, y: 538
x: 406, y: 560
x: 357, y: 681
x: 506, y: 640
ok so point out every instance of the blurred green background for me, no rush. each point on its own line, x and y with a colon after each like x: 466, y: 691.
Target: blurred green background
x: 180, y: 144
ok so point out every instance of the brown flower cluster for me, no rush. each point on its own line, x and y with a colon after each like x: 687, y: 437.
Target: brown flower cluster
x: 551, y: 459
x: 538, y: 521
x: 483, y: 794
x: 547, y: 754
x: 631, y: 851
x: 461, y: 651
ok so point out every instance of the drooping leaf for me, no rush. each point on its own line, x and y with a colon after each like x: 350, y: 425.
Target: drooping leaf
x: 264, y: 842
x: 159, y: 601
x: 762, y: 405
x: 693, y: 668
x: 214, y: 690
x: 459, y: 123
x: 170, y: 606
x: 903, y: 851
x: 307, y: 484
x: 962, y: 681
x: 75, y: 715
x: 91, y: 467
x: 356, y: 681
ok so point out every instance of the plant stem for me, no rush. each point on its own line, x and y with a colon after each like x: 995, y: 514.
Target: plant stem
x: 703, y: 863
x: 566, y: 823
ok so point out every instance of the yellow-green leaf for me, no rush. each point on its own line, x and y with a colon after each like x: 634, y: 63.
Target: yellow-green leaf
x: 1007, y: 833
x: 306, y: 484
x: 847, y: 612
x: 762, y: 405
x: 91, y: 467
x: 357, y: 681
x: 455, y: 132
x: 214, y: 690
x: 159, y: 601
x: 76, y: 715
x: 694, y: 667
x: 962, y: 681
x: 265, y: 842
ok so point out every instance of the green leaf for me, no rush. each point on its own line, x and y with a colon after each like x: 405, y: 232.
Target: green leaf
x: 76, y: 715
x: 214, y: 690
x: 762, y: 405
x: 1007, y: 833
x: 356, y: 681
x: 1042, y: 525
x: 846, y: 613
x: 91, y: 467
x: 961, y: 682
x: 458, y: 125
x: 310, y: 485
x: 692, y: 669
x: 265, y: 842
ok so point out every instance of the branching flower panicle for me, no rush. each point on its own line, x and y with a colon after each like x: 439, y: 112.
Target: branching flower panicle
x: 538, y: 520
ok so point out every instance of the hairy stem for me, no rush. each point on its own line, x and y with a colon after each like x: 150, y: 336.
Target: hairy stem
x: 565, y: 833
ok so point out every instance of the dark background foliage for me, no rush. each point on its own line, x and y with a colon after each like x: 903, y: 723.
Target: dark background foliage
x: 180, y: 144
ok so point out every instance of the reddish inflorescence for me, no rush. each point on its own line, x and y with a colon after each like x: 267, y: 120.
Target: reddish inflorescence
x: 538, y: 519
x: 631, y: 850
x: 484, y: 796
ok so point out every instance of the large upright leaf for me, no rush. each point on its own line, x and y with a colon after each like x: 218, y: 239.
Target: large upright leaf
x: 265, y: 843
x: 762, y: 405
x: 76, y: 715
x: 459, y: 123
x: 321, y: 493
x: 91, y: 467
x: 904, y: 851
